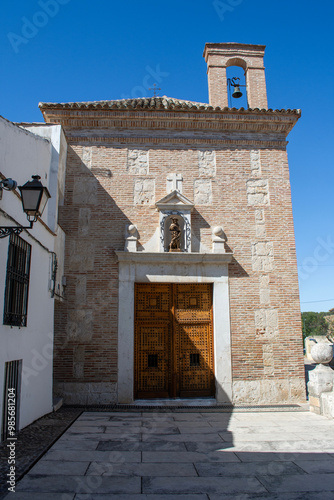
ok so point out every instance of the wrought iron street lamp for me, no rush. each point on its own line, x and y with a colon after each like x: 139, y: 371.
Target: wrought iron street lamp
x: 34, y: 199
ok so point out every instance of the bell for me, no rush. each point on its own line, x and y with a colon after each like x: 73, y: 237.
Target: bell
x: 236, y: 92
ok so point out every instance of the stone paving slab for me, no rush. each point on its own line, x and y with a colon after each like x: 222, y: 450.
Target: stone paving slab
x: 319, y: 466
x: 158, y: 445
x: 142, y: 469
x: 51, y: 468
x: 246, y: 456
x: 181, y: 438
x: 142, y: 497
x: 102, y: 436
x: 188, y: 456
x: 273, y: 496
x: 93, y: 456
x: 24, y: 495
x: 79, y: 484
x: 75, y: 444
x: 247, y: 469
x: 202, y: 485
x: 299, y: 483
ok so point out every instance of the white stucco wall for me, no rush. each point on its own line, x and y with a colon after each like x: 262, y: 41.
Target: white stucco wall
x: 22, y: 154
x: 55, y: 134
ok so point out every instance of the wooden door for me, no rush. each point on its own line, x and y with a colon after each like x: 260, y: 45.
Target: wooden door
x: 173, y: 340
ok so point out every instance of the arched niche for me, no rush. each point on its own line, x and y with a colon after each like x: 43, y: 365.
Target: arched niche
x: 184, y: 227
x: 175, y: 205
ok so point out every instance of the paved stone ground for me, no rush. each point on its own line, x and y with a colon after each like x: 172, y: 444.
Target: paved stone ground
x: 202, y: 455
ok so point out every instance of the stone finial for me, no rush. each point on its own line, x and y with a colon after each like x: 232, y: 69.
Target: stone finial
x: 218, y: 240
x: 131, y: 238
x: 322, y: 353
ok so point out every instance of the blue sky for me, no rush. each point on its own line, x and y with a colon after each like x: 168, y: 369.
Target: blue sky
x: 79, y: 50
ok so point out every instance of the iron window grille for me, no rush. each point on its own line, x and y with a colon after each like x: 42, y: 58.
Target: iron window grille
x: 152, y: 361
x: 194, y: 359
x: 17, y: 282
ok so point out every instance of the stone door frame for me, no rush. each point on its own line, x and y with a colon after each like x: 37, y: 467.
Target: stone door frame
x: 147, y: 267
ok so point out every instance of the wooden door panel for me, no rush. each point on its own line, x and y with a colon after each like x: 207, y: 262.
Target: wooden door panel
x: 173, y: 340
x: 153, y: 302
x: 152, y: 340
x: 195, y: 364
x: 152, y: 368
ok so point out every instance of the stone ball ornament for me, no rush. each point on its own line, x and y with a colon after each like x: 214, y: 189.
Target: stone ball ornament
x: 322, y: 352
x: 218, y: 231
x: 132, y: 229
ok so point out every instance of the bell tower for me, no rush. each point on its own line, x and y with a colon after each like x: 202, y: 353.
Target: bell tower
x: 220, y: 56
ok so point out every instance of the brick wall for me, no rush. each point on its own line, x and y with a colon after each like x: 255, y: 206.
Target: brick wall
x: 243, y: 188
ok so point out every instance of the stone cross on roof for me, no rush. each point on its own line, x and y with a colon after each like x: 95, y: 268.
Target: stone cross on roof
x: 154, y: 88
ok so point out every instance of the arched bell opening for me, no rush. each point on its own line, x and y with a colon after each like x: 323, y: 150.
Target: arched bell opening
x: 236, y: 80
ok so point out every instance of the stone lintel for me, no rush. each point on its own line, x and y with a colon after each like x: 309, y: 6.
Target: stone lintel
x: 174, y: 258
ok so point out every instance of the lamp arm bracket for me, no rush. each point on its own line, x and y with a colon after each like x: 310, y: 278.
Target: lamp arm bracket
x: 8, y: 230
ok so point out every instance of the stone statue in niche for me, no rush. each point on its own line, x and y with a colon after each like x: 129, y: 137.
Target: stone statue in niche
x: 175, y: 230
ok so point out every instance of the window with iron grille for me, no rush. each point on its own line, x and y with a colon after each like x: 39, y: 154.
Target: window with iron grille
x: 17, y: 282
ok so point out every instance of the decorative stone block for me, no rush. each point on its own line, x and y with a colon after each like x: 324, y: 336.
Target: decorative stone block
x: 80, y: 325
x: 264, y: 289
x: 207, y: 163
x: 260, y: 230
x: 81, y: 290
x: 262, y: 256
x: 81, y: 257
x: 87, y: 157
x: 259, y: 216
x: 266, y: 322
x: 203, y: 192
x: 144, y: 191
x: 257, y: 192
x: 264, y: 296
x: 84, y: 220
x: 268, y: 359
x: 255, y: 162
x: 85, y: 191
x: 78, y: 361
x: 138, y: 161
x: 264, y: 281
x: 268, y: 391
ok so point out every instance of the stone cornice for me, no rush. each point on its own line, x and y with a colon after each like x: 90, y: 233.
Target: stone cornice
x: 226, y: 120
x: 239, y: 49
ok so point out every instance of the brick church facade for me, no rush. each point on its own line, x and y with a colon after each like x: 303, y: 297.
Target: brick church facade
x: 218, y: 318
